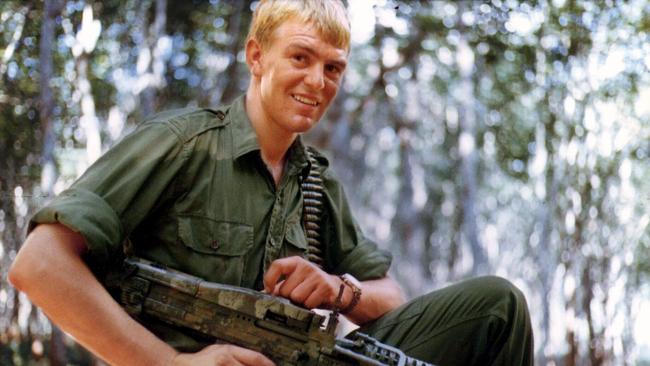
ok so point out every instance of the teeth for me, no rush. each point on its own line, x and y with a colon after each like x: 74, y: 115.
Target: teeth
x: 305, y: 100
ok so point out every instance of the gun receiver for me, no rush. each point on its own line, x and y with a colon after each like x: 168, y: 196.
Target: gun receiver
x: 288, y: 334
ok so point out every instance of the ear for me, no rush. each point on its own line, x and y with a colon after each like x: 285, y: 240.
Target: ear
x: 254, y: 57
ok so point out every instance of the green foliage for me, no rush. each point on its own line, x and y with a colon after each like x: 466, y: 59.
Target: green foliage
x: 543, y: 128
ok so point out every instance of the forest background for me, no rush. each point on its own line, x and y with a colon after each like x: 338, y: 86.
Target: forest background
x: 502, y: 137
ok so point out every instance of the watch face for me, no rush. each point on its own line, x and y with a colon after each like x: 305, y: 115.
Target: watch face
x: 355, y: 286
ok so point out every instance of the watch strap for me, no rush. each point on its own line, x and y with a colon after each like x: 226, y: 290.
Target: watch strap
x: 356, y: 293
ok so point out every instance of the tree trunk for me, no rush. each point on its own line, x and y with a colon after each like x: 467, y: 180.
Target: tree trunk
x: 58, y: 356
x: 595, y: 339
x: 546, y: 257
x: 236, y: 28
x: 468, y: 160
x: 156, y: 69
x: 455, y: 235
x: 10, y: 235
x: 52, y: 8
x: 571, y: 358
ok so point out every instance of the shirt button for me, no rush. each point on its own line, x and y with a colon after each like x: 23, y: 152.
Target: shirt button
x: 214, y: 244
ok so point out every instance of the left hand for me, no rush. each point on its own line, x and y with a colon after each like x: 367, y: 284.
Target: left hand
x: 304, y: 283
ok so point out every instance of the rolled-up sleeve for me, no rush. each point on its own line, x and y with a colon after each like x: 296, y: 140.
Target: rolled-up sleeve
x: 86, y: 213
x: 118, y: 191
x: 349, y: 250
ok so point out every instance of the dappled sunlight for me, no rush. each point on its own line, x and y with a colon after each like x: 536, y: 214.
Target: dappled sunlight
x: 501, y: 137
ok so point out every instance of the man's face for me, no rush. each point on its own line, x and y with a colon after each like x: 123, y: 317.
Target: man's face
x: 299, y: 75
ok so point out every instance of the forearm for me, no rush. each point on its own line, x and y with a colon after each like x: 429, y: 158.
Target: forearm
x: 49, y: 269
x: 377, y: 298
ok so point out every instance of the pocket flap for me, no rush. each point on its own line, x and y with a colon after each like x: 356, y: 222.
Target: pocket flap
x: 209, y: 236
x: 295, y: 235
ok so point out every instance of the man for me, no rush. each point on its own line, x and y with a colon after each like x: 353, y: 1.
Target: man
x: 216, y: 193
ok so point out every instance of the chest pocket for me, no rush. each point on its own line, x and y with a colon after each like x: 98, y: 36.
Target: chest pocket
x: 295, y: 240
x: 214, y: 250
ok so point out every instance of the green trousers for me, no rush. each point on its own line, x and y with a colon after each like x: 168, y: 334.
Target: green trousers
x: 482, y: 321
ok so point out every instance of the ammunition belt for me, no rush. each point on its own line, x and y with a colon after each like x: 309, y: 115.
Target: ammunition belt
x: 312, y: 197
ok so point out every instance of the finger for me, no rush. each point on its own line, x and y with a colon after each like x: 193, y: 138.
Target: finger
x: 301, y: 292
x: 305, y: 274
x: 290, y: 283
x: 278, y: 267
x: 315, y: 299
x: 276, y: 289
x: 249, y: 357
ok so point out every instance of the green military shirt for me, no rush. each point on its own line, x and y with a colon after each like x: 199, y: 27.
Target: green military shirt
x: 188, y: 189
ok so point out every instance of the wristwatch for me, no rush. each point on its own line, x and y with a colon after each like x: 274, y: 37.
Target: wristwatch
x: 355, y: 286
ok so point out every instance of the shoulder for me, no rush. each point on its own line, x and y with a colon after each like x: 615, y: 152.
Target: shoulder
x: 187, y: 123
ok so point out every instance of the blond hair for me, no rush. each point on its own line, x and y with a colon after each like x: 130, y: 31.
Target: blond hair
x: 329, y: 17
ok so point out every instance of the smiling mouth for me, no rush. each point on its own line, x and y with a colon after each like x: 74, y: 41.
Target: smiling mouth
x: 304, y: 100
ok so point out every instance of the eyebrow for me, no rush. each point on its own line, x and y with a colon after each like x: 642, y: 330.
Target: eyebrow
x: 312, y: 51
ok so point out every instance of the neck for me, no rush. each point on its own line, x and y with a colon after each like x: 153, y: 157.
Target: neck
x: 274, y: 142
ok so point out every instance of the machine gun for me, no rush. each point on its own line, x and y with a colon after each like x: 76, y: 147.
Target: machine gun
x: 288, y: 334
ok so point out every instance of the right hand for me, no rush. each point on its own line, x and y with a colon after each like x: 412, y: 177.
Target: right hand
x: 222, y: 354
x: 304, y: 283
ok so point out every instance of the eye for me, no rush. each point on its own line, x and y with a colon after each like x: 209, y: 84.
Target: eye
x: 299, y: 58
x: 333, y: 69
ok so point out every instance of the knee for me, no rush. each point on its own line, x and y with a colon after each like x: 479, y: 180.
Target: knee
x: 500, y: 286
x: 509, y: 304
x: 505, y: 295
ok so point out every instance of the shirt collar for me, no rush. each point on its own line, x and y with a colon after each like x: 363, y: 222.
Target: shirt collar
x: 245, y: 139
x: 243, y: 134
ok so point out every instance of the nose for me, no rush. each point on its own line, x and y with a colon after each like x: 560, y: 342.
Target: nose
x: 315, y: 77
